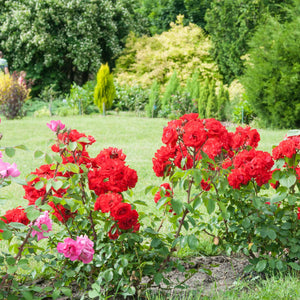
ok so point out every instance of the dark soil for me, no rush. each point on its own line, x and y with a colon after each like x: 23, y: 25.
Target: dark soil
x: 225, y: 271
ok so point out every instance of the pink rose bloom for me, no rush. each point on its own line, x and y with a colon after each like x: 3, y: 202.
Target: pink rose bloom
x: 42, y: 219
x: 56, y: 125
x: 87, y: 251
x: 1, y: 154
x: 70, y: 249
x: 6, y: 169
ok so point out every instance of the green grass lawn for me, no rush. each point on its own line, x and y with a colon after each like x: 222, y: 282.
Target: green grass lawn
x: 139, y: 138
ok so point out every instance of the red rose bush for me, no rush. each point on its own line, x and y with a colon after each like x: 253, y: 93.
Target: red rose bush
x: 82, y: 223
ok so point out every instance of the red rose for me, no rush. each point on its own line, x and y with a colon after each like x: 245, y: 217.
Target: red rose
x: 120, y: 210
x: 106, y: 202
x: 194, y: 134
x: 17, y: 215
x: 60, y: 212
x: 128, y: 220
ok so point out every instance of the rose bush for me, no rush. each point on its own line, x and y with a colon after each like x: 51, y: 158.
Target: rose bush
x: 82, y: 223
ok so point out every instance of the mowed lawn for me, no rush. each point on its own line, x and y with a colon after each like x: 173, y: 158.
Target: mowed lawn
x: 139, y: 138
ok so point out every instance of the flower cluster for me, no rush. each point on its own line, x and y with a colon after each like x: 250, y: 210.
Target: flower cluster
x: 121, y: 213
x: 249, y: 165
x: 17, y: 215
x: 185, y: 138
x: 165, y: 190
x: 81, y: 249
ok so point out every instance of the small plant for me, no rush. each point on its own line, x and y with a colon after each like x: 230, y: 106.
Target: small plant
x: 12, y: 96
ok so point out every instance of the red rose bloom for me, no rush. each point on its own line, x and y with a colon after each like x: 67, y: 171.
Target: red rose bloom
x: 109, y: 153
x: 170, y: 133
x: 17, y: 215
x: 194, y: 134
x: 298, y: 214
x: 31, y: 193
x: 61, y: 213
x: 286, y: 148
x: 205, y: 185
x: 128, y: 220
x: 114, y: 233
x: 120, y: 210
x: 166, y: 192
x: 106, y: 202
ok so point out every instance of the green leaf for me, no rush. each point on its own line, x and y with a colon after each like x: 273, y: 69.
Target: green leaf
x: 197, y: 176
x: 32, y: 213
x: 193, y: 242
x: 66, y: 291
x: 294, y: 266
x: 10, y: 151
x: 140, y: 202
x: 27, y: 295
x: 197, y: 202
x: 271, y: 234
x: 21, y: 147
x: 288, y: 181
x: 38, y: 154
x: 6, y: 235
x: 48, y: 159
x: 108, y: 275
x: 57, y: 185
x: 156, y: 242
x: 93, y: 294
x: 17, y: 225
x: 177, y: 206
x: 72, y: 146
x: 158, y: 278
x: 261, y: 265
x: 12, y: 269
x: 210, y: 205
x: 39, y: 185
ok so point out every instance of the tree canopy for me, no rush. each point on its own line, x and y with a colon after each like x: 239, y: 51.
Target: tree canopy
x: 271, y: 79
x: 183, y: 49
x: 62, y: 42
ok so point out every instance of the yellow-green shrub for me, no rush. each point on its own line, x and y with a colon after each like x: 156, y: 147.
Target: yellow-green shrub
x: 183, y: 49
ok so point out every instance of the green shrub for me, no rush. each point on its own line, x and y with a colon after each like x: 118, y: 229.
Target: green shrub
x: 272, y: 74
x: 81, y: 99
x: 130, y: 98
x: 12, y: 96
x: 153, y: 106
x: 105, y: 89
x: 182, y: 48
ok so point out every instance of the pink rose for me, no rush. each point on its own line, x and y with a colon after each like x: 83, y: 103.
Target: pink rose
x: 56, y: 125
x: 6, y: 169
x: 69, y: 248
x: 42, y: 219
x: 87, y: 251
x: 81, y: 249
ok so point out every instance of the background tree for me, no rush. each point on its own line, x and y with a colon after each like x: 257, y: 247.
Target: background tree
x: 231, y: 24
x: 182, y: 48
x: 271, y: 78
x: 160, y: 13
x: 61, y: 42
x: 105, y: 89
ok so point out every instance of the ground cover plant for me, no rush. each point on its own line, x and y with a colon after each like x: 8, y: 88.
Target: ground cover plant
x: 196, y: 148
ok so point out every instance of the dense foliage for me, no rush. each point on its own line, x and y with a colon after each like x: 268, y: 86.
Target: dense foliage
x: 231, y: 24
x: 160, y: 13
x: 12, y: 95
x: 50, y: 39
x: 272, y: 74
x: 182, y: 48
